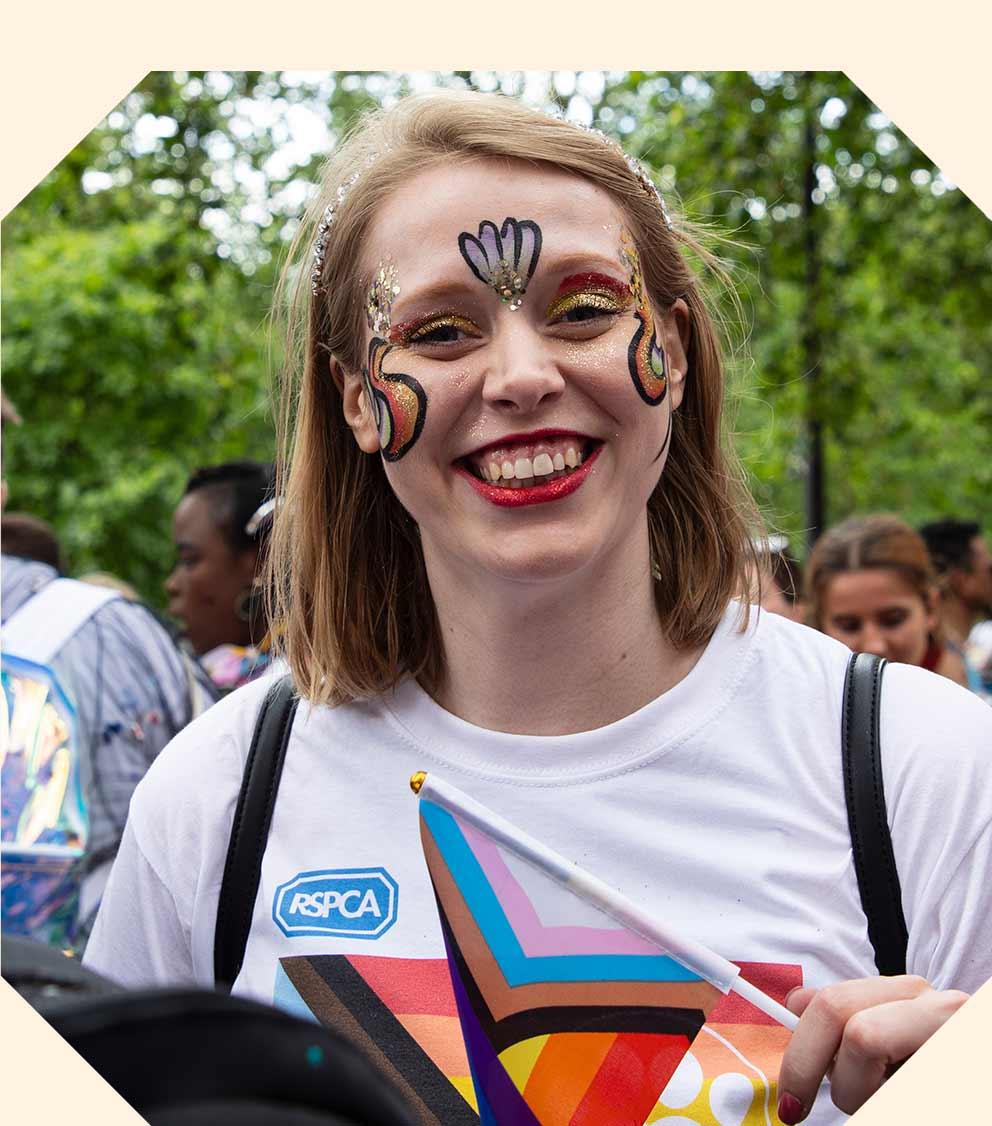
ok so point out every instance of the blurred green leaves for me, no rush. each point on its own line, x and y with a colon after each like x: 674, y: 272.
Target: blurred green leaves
x: 137, y: 279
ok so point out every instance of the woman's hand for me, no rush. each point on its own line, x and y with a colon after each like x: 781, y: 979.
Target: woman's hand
x: 858, y: 1032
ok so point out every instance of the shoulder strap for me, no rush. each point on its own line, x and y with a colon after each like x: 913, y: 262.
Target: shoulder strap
x: 38, y: 629
x: 250, y: 830
x: 874, y: 860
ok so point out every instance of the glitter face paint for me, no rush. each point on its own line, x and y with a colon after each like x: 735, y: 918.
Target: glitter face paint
x: 589, y: 291
x: 419, y: 330
x: 398, y: 402
x: 504, y: 258
x: 379, y: 299
x: 646, y: 361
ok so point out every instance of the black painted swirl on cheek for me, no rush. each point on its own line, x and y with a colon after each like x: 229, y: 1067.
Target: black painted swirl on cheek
x: 398, y: 403
x: 646, y: 361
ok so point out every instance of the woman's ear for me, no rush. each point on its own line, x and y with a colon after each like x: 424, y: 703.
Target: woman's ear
x: 357, y: 410
x: 674, y: 334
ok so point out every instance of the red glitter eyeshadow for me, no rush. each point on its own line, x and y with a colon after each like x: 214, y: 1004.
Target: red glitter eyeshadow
x: 399, y: 333
x: 584, y: 281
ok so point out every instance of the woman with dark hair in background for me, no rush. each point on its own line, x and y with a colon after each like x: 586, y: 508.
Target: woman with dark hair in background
x: 873, y: 586
x: 221, y: 528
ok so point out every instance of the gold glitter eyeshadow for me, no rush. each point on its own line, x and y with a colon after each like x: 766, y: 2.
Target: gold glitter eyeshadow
x: 587, y: 299
x: 416, y: 333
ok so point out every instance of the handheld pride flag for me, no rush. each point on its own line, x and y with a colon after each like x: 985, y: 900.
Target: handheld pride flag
x: 576, y: 1007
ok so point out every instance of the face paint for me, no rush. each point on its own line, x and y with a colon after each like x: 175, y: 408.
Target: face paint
x: 589, y: 291
x: 427, y: 330
x: 645, y: 359
x: 398, y: 403
x: 379, y: 299
x: 503, y: 258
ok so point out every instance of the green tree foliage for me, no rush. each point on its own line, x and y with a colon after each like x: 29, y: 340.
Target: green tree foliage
x: 137, y: 279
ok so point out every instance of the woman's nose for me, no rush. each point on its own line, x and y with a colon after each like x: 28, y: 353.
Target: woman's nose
x: 523, y: 374
x: 874, y: 641
x: 171, y: 585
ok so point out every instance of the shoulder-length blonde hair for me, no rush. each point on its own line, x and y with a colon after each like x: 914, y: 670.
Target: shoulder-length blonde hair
x: 347, y: 576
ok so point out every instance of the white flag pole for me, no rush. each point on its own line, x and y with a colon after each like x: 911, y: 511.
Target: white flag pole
x: 693, y: 955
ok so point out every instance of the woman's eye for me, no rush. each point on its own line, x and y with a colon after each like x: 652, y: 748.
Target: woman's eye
x: 443, y: 334
x: 893, y: 619
x: 846, y: 625
x: 578, y: 308
x: 584, y: 313
x: 445, y: 330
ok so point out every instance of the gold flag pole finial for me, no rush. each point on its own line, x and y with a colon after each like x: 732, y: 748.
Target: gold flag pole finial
x: 417, y: 780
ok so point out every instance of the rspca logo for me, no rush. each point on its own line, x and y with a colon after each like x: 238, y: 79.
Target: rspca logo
x: 347, y: 902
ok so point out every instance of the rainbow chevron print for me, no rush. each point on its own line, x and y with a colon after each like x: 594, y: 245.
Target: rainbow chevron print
x: 569, y: 1016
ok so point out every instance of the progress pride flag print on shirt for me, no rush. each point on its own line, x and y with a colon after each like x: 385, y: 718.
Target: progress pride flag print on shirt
x: 402, y: 1013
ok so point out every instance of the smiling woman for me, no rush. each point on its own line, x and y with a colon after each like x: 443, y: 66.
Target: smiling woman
x: 508, y: 548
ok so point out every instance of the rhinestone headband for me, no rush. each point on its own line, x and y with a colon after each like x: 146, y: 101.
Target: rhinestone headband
x: 341, y: 194
x: 326, y: 221
x: 640, y: 172
x: 644, y: 179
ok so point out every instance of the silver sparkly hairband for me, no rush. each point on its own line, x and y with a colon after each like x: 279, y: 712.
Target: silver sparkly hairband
x: 640, y: 172
x: 330, y: 211
x: 326, y: 220
x: 649, y: 186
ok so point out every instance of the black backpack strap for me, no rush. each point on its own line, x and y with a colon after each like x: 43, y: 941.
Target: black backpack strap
x: 250, y: 830
x: 874, y: 860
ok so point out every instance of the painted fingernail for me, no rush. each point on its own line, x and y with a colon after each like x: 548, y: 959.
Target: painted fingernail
x: 790, y: 1109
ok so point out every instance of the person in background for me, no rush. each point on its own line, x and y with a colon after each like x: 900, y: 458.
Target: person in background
x: 872, y: 585
x: 30, y: 537
x: 129, y: 691
x: 781, y: 579
x: 964, y: 567
x: 220, y: 528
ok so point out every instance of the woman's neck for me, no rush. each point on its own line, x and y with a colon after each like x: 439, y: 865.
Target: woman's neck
x: 554, y: 658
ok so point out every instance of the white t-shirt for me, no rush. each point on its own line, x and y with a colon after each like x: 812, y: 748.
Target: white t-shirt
x: 719, y: 807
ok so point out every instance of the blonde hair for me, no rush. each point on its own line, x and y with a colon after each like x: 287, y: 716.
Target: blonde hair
x: 348, y: 579
x: 861, y: 543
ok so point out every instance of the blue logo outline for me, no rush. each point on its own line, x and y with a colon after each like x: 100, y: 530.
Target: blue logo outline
x: 311, y: 928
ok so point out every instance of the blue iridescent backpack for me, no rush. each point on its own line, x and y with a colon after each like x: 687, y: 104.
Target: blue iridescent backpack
x: 44, y: 829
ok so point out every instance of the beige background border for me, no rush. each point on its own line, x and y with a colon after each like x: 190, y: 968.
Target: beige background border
x: 63, y: 70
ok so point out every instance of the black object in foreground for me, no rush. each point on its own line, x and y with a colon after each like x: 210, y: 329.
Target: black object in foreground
x: 199, y: 1058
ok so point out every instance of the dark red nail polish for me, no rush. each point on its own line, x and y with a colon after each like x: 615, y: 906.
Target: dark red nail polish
x: 790, y: 1109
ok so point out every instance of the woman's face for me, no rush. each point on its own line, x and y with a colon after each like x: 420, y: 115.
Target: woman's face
x: 878, y: 611
x: 521, y: 386
x: 209, y: 579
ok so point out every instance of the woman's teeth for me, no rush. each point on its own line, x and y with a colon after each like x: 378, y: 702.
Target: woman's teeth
x: 520, y: 472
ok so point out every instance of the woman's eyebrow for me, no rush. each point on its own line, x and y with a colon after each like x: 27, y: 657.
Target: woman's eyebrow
x: 590, y: 279
x: 429, y: 293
